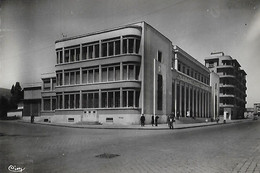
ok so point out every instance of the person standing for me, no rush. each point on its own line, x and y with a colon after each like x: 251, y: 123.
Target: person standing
x: 156, y: 120
x: 152, y: 121
x: 171, y: 120
x: 142, y: 120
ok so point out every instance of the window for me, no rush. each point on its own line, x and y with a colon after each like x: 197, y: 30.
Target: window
x: 66, y: 82
x: 131, y: 74
x: 117, y: 99
x: 117, y: 73
x: 111, y: 74
x: 96, y: 75
x: 117, y: 47
x: 90, y: 76
x: 46, y: 84
x: 131, y: 98
x: 84, y: 76
x: 77, y: 77
x: 131, y: 44
x: 59, y: 96
x: 84, y: 53
x: 160, y: 92
x: 66, y: 58
x: 159, y: 56
x: 104, y: 49
x: 53, y: 103
x: 46, y: 104
x: 59, y: 54
x: 104, y: 99
x: 71, y: 100
x: 104, y: 74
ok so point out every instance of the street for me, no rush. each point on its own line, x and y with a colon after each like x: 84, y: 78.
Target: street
x: 42, y: 148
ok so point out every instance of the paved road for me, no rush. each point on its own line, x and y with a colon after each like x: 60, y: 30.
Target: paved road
x: 41, y: 148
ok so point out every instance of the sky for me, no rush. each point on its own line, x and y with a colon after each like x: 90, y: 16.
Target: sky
x: 29, y: 29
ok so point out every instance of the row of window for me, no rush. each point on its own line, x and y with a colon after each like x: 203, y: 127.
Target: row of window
x: 92, y: 75
x: 109, y: 99
x: 49, y: 103
x: 192, y: 73
x: 104, y: 48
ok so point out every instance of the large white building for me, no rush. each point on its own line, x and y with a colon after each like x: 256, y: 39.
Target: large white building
x: 119, y: 74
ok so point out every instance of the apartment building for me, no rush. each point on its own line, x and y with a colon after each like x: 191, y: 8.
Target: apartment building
x: 232, y: 84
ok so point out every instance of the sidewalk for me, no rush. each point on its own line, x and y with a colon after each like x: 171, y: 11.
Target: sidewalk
x: 138, y: 127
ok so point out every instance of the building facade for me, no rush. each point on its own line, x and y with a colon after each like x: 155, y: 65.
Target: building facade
x: 117, y: 75
x: 232, y: 84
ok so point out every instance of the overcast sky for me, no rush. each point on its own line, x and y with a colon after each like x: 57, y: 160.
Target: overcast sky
x: 29, y: 29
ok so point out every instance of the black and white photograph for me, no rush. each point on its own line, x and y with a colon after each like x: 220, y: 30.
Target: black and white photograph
x: 129, y: 86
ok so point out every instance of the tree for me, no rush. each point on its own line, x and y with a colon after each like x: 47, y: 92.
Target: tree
x: 17, y: 95
x: 4, y: 106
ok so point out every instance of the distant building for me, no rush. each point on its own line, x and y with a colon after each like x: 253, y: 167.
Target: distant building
x: 232, y: 84
x: 257, y: 108
x: 117, y: 75
x: 32, y: 101
x: 249, y: 113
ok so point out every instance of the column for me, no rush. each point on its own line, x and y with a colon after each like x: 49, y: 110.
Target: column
x: 197, y: 101
x: 99, y: 97
x: 203, y: 104
x: 121, y: 97
x: 100, y: 49
x: 121, y: 70
x: 80, y: 99
x: 80, y: 75
x: 100, y: 73
x: 80, y: 52
x: 189, y: 102
x: 175, y: 98
x: 121, y: 45
x: 180, y: 101
x: 185, y: 97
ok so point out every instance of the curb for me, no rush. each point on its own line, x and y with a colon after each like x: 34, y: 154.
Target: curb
x: 127, y: 128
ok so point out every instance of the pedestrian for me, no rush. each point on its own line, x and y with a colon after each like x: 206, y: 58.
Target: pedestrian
x: 142, y: 120
x: 171, y: 120
x: 152, y: 121
x: 217, y: 119
x: 156, y: 120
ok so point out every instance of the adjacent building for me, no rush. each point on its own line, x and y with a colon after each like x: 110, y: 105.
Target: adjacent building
x: 232, y: 84
x: 119, y: 74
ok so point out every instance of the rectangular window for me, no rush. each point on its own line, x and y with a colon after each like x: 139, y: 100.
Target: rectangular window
x: 77, y: 77
x: 117, y: 47
x: 137, y: 45
x: 117, y: 99
x: 72, y: 105
x: 46, y: 104
x: 46, y: 84
x: 110, y: 99
x: 59, y: 101
x: 104, y: 74
x: 66, y: 58
x: 72, y: 78
x: 96, y: 100
x: 125, y: 46
x: 130, y: 98
x: 53, y: 103
x: 84, y: 100
x: 84, y: 53
x: 67, y: 75
x: 111, y: 74
x: 96, y: 75
x: 117, y: 73
x: 137, y: 96
x: 66, y: 102
x: 131, y: 46
x: 111, y: 48
x: 90, y: 76
x: 159, y: 56
x: 90, y: 100
x: 104, y: 49
x: 137, y: 71
x: 124, y: 98
x: 96, y: 50
x: 104, y: 99
x: 160, y: 92
x: 84, y: 76
x: 125, y: 72
x: 77, y: 100
x: 72, y: 55
x: 77, y: 54
x: 90, y: 52
x: 131, y: 73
